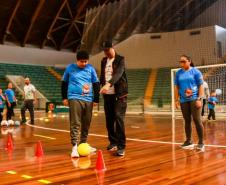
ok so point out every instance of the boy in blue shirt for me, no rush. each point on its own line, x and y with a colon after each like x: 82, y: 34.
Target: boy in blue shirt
x: 2, y: 99
x: 80, y: 90
x: 10, y: 101
x: 212, y: 101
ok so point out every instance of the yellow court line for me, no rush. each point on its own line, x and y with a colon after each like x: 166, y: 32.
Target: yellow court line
x: 11, y: 172
x: 29, y: 177
x: 26, y: 176
x: 52, y: 138
x: 44, y: 181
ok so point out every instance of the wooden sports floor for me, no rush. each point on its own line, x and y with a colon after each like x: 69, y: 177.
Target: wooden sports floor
x: 153, y: 156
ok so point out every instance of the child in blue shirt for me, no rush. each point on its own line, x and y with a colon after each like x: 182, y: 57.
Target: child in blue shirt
x: 10, y: 101
x: 212, y: 101
x: 80, y: 90
x: 2, y: 99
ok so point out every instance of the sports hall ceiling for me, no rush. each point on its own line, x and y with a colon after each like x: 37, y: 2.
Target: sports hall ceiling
x: 54, y: 23
x: 59, y: 23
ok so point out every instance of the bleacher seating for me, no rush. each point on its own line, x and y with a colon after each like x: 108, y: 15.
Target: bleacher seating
x: 47, y: 84
x: 162, y: 91
x: 50, y: 86
x: 137, y: 82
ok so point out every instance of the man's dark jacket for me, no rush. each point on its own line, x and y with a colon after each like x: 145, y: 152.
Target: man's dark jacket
x: 119, y: 79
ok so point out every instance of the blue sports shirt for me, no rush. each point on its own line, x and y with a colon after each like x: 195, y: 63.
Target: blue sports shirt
x: 188, y: 80
x: 80, y: 82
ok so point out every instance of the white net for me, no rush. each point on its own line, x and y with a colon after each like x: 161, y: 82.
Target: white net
x: 215, y: 76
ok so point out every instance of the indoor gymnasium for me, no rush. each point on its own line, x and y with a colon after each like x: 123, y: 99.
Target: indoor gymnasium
x: 113, y: 92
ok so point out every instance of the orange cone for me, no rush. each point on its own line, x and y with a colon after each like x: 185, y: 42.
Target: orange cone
x: 9, y: 145
x: 38, y: 150
x: 100, y: 166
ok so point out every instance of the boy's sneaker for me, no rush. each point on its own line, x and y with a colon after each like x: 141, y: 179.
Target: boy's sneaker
x: 200, y: 147
x: 112, y: 147
x: 74, y: 152
x: 187, y: 145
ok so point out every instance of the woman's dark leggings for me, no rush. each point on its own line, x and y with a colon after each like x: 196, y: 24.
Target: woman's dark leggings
x: 189, y: 110
x: 10, y: 110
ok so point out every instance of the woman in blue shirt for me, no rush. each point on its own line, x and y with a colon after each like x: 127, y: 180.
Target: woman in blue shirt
x: 10, y: 101
x: 188, y: 93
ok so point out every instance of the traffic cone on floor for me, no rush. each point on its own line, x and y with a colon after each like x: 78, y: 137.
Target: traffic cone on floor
x: 9, y: 144
x: 38, y: 150
x: 100, y: 165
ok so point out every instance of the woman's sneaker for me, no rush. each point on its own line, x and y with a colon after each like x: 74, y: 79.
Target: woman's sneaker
x: 187, y: 145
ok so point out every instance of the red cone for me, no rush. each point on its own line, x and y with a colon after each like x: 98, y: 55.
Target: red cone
x: 100, y: 166
x: 9, y: 145
x: 38, y: 150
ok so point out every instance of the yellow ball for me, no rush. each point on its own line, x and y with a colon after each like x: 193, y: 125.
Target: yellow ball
x: 84, y: 149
